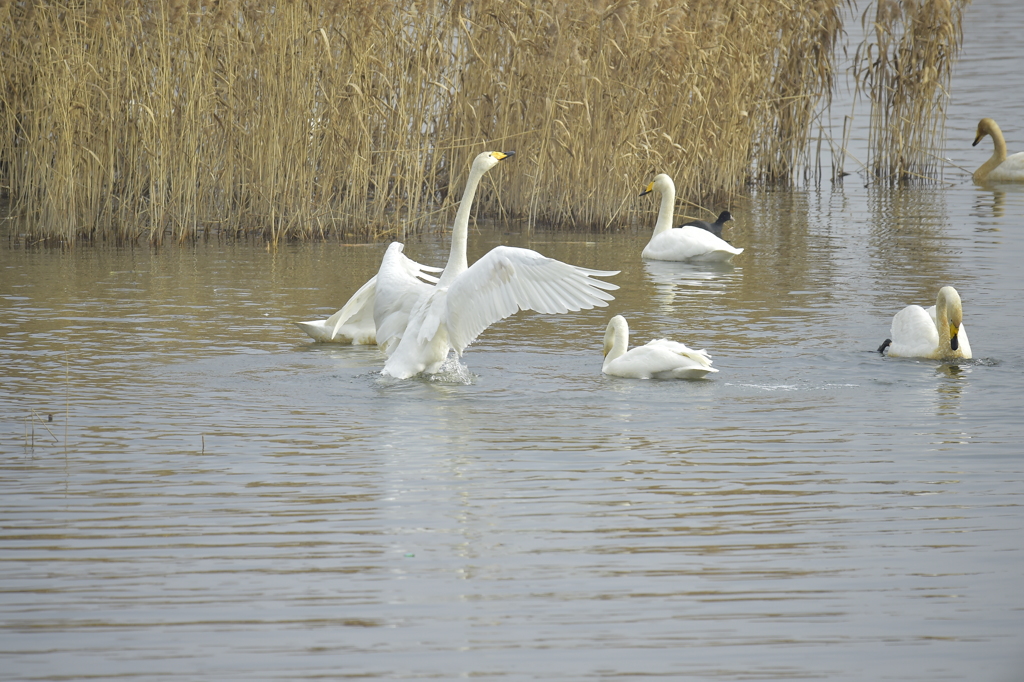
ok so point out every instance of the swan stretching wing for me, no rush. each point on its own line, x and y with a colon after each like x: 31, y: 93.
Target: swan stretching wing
x: 355, y: 322
x: 681, y: 243
x: 507, y: 280
x: 352, y: 324
x: 659, y: 359
x: 467, y: 300
x: 999, y: 167
x: 936, y: 333
x: 402, y: 282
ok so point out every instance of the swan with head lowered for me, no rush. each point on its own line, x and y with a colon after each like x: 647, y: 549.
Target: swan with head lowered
x: 1000, y: 167
x: 686, y: 243
x: 935, y: 333
x: 659, y: 359
x: 354, y: 323
x: 468, y: 299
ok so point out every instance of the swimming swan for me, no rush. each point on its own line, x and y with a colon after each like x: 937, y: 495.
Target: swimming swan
x: 354, y: 323
x: 681, y: 243
x: 1000, y: 167
x: 659, y: 359
x: 936, y: 333
x: 714, y: 228
x: 468, y: 299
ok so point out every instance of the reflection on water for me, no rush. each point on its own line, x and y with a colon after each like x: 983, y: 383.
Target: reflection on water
x: 950, y: 389
x: 991, y: 202
x: 910, y: 241
x: 687, y: 280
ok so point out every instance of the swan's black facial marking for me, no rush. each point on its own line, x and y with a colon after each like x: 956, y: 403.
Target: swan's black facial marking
x: 885, y: 344
x: 953, y: 342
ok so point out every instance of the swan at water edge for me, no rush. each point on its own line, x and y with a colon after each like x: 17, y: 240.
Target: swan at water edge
x: 936, y: 333
x: 714, y: 228
x: 659, y: 359
x: 681, y: 243
x: 354, y: 323
x: 999, y: 167
x: 468, y: 299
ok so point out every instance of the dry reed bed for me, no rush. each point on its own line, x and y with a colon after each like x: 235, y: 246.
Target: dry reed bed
x: 905, y: 65
x: 165, y: 120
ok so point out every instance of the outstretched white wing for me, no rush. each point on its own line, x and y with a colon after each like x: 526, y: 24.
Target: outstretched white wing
x: 401, y: 282
x: 359, y: 308
x: 352, y: 324
x: 509, y: 279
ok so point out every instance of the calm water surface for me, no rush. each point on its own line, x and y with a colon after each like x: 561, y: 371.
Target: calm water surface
x: 217, y: 498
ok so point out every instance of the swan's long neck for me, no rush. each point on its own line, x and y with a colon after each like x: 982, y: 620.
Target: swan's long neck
x: 948, y: 318
x: 457, y: 263
x: 942, y: 321
x: 668, y: 201
x: 616, y: 341
x: 998, y: 154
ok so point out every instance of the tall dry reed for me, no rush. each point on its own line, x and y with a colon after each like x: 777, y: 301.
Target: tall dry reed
x: 168, y: 119
x: 904, y: 65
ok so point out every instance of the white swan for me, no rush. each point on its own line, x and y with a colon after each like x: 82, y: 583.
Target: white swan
x: 1000, y: 167
x: 659, y: 359
x: 354, y: 323
x: 936, y: 333
x: 681, y: 243
x: 467, y: 299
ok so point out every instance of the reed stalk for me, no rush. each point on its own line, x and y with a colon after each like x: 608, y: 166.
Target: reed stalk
x: 168, y: 120
x: 904, y: 66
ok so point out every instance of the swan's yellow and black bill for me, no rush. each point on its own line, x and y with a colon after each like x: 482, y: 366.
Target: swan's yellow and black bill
x: 501, y: 156
x: 978, y: 139
x: 649, y: 189
x: 954, y: 343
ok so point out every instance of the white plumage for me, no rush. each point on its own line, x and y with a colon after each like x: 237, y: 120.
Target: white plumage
x: 659, y: 359
x: 468, y: 299
x: 681, y: 243
x: 402, y: 283
x: 354, y: 323
x: 935, y: 333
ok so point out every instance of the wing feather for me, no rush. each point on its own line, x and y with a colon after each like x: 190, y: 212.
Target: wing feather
x: 400, y: 285
x: 509, y: 279
x: 356, y: 308
x: 913, y: 332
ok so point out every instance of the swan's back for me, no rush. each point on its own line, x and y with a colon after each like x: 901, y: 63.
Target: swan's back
x: 689, y: 243
x: 661, y: 359
x: 1010, y: 170
x: 915, y: 334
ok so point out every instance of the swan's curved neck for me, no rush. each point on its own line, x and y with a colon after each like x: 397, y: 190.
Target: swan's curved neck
x: 998, y: 154
x: 619, y: 344
x: 668, y: 200
x: 457, y: 263
x: 942, y: 321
